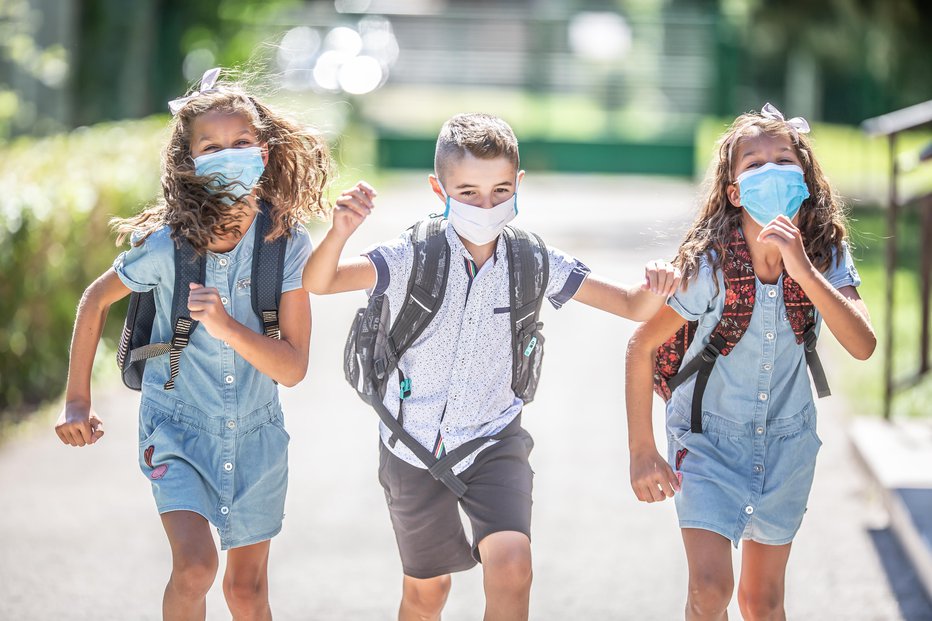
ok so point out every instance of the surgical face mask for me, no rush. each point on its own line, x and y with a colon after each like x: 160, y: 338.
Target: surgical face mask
x: 771, y: 190
x: 236, y: 171
x: 479, y: 225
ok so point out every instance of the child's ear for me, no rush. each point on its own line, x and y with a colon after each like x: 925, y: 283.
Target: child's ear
x: 435, y: 186
x: 265, y: 154
x: 520, y: 177
x: 734, y: 194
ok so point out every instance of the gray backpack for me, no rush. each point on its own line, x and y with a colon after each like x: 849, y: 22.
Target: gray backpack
x: 373, y: 348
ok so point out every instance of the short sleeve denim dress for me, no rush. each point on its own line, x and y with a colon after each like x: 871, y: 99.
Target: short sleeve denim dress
x: 748, y: 475
x: 215, y: 444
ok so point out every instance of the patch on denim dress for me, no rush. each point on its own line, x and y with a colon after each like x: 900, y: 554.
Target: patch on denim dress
x: 680, y: 456
x: 157, y: 471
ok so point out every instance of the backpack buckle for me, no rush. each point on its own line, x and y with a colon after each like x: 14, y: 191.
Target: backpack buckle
x: 710, y: 352
x: 404, y: 388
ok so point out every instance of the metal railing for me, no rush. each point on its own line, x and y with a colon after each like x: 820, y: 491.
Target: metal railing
x: 891, y: 125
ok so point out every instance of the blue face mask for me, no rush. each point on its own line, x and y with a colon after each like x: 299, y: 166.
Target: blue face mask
x: 236, y: 171
x: 771, y: 190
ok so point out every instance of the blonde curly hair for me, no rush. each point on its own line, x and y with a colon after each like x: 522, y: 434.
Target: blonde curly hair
x: 293, y: 183
x: 822, y: 218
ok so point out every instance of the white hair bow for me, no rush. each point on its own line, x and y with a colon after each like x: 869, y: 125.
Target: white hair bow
x: 798, y: 124
x: 208, y: 80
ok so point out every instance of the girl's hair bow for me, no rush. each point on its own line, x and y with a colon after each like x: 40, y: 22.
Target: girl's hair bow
x: 208, y: 81
x: 798, y: 124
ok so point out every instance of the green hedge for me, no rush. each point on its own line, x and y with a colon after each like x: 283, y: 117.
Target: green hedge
x: 59, y: 194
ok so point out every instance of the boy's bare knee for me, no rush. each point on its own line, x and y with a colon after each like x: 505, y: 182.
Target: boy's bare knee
x: 709, y: 594
x: 424, y: 599
x: 509, y: 566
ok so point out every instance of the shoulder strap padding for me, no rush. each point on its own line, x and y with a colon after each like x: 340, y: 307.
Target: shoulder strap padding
x: 268, y: 268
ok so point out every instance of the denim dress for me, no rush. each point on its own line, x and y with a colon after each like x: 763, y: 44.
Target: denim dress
x: 215, y: 444
x: 748, y: 474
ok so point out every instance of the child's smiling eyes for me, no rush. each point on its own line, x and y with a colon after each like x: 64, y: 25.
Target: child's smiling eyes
x: 236, y: 145
x: 759, y: 163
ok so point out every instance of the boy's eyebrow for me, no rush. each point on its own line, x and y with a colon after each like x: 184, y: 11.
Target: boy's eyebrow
x: 464, y: 186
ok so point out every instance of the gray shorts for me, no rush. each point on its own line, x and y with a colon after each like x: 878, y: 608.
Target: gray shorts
x: 424, y: 512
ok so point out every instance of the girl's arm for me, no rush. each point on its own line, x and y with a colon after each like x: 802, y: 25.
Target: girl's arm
x: 636, y: 302
x: 324, y: 272
x: 651, y: 476
x: 285, y: 359
x: 78, y: 424
x: 842, y: 309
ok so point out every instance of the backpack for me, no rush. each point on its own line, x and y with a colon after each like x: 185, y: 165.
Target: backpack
x: 740, y: 290
x: 373, y: 347
x: 268, y: 263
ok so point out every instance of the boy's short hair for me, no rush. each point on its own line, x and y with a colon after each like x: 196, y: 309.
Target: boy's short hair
x: 481, y: 135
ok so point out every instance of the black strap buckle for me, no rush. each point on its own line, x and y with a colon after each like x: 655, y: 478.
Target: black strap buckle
x: 809, y: 339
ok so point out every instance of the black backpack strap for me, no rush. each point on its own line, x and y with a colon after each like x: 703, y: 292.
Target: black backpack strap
x: 810, y: 338
x: 268, y: 269
x: 189, y: 267
x: 528, y: 274
x: 427, y: 285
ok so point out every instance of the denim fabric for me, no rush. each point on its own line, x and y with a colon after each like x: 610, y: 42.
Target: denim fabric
x: 219, y: 432
x: 749, y: 473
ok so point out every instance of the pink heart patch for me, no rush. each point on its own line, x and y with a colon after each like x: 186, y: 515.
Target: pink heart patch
x: 158, y: 472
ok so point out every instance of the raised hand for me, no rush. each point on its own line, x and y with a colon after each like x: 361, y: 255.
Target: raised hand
x: 782, y: 233
x: 352, y: 207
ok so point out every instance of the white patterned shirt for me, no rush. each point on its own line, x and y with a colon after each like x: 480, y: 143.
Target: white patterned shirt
x: 460, y: 366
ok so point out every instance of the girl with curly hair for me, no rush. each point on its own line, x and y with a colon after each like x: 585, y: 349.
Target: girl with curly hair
x: 764, y: 263
x: 211, y: 430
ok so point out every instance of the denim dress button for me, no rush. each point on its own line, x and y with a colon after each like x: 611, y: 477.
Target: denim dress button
x: 228, y: 379
x: 224, y: 510
x: 749, y: 509
x: 228, y: 466
x: 772, y: 293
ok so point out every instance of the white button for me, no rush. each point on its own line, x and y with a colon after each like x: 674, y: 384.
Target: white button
x: 758, y: 468
x: 760, y: 431
x: 767, y: 366
x: 228, y: 379
x: 772, y: 293
x: 225, y: 510
x: 762, y: 396
x: 769, y: 336
x: 225, y: 301
x: 228, y: 466
x: 231, y: 424
x: 749, y: 509
x: 222, y: 262
x: 225, y: 344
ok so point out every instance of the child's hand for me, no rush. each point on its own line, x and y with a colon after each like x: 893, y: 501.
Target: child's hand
x: 207, y: 307
x: 78, y: 424
x: 661, y: 278
x: 353, y: 206
x: 782, y: 233
x: 652, y: 478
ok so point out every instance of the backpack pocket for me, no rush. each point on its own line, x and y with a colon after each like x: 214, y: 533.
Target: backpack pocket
x: 530, y: 355
x: 365, y: 347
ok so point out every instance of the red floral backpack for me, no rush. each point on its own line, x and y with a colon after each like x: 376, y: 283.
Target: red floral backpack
x: 740, y: 289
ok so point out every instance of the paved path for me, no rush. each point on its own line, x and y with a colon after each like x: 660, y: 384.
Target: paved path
x: 83, y: 541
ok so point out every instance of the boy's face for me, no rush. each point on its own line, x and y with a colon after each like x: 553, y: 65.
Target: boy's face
x: 478, y: 182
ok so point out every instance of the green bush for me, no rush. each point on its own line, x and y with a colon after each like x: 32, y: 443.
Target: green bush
x: 60, y: 194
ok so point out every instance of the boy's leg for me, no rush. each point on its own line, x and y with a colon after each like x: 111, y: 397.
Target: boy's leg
x: 246, y: 582
x: 194, y: 566
x: 498, y: 505
x: 506, y: 567
x: 763, y: 580
x: 429, y: 532
x: 423, y: 599
x: 711, y: 577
